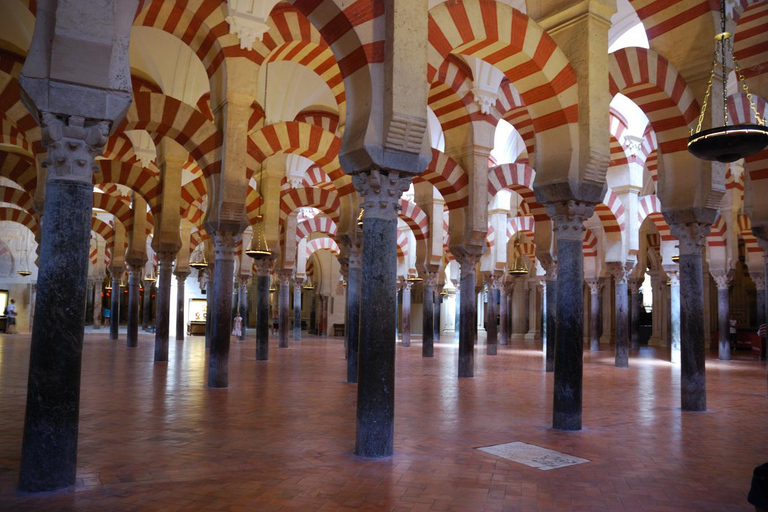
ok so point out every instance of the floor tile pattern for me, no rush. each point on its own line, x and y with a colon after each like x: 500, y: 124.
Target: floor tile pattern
x: 153, y: 438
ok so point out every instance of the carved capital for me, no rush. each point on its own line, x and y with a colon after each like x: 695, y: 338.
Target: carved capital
x: 430, y: 278
x: 551, y: 270
x: 380, y: 192
x: 72, y: 144
x: 297, y: 285
x: 407, y: 286
x: 674, y: 278
x: 634, y: 286
x: 620, y: 271
x: 224, y: 243
x: 691, y: 236
x: 467, y: 261
x: 344, y: 267
x: 285, y: 276
x: 722, y: 281
x: 759, y: 281
x: 181, y: 277
x: 595, y: 286
x: 165, y: 260
x: 242, y: 281
x: 569, y: 218
x: 264, y: 267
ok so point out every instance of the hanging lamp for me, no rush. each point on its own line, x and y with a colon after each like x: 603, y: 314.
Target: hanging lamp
x: 727, y: 143
x: 519, y: 265
x: 360, y: 217
x: 151, y: 276
x: 308, y: 283
x: 199, y: 264
x: 259, y: 249
x: 414, y: 278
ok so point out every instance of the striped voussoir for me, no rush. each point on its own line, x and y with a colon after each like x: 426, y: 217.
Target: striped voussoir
x: 402, y: 244
x: 650, y: 206
x: 525, y: 225
x: 11, y: 135
x: 415, y: 218
x: 326, y: 120
x: 316, y: 177
x: 450, y: 95
x: 519, y: 178
x: 322, y: 243
x: 749, y: 45
x: 659, y: 90
x: 508, y: 39
x: 514, y: 111
x: 191, y: 192
x: 10, y: 214
x: 327, y: 201
x: 611, y: 213
x: 136, y: 178
x: 10, y: 102
x: 15, y: 196
x: 618, y: 125
x: 449, y: 179
x: 117, y: 206
x: 318, y: 224
x: 589, y: 244
x: 20, y: 169
x: 745, y: 231
x: 741, y: 112
x: 120, y: 147
x: 717, y: 233
x: 302, y: 139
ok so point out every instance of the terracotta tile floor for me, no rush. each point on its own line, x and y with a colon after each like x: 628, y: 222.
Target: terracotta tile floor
x: 153, y: 438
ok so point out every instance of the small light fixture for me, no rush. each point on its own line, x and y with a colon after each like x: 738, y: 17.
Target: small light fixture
x: 308, y: 284
x: 199, y: 264
x: 360, y: 217
x: 414, y: 278
x: 675, y: 258
x: 259, y: 249
x: 519, y: 265
x: 151, y: 277
x: 24, y: 273
x: 727, y: 143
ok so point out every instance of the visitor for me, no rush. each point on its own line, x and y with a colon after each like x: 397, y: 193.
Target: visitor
x: 10, y: 313
x: 238, y: 326
x: 758, y: 492
x: 733, y: 326
x: 107, y: 313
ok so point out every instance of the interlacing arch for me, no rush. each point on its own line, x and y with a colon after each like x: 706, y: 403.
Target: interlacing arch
x: 515, y: 44
x: 589, y: 244
x: 325, y: 120
x: 166, y: 116
x: 192, y: 192
x: 199, y: 24
x: 448, y: 178
x: 327, y: 201
x: 10, y: 214
x: 519, y: 178
x: 318, y: 224
x: 117, y: 206
x: 717, y: 233
x: 20, y: 169
x: 618, y: 125
x: 611, y: 213
x: 657, y: 88
x: 136, y: 178
x: 745, y: 231
x: 415, y: 218
x: 322, y: 243
x: 450, y: 95
x: 20, y: 198
x: 514, y: 111
x: 525, y: 225
x: 104, y: 230
x: 120, y: 147
x: 650, y: 206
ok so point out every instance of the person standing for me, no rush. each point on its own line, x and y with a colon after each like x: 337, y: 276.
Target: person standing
x: 733, y: 327
x: 237, y: 330
x: 11, y: 313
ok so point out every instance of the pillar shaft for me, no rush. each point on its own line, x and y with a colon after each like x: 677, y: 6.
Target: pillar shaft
x: 502, y: 315
x: 49, y: 444
x: 242, y: 303
x: 224, y: 243
x: 134, y: 278
x: 552, y: 325
x: 264, y: 269
x: 180, y: 305
x: 428, y: 329
x: 146, y: 305
x: 634, y: 305
x: 352, y: 332
x: 284, y: 299
x: 468, y: 314
x: 595, y: 287
x: 491, y: 318
x: 569, y: 220
x: 406, y: 332
x: 376, y: 373
x: 114, y: 313
x: 723, y: 312
x: 674, y: 308
x: 296, y: 311
x: 162, y: 327
x: 97, y: 304
x: 620, y: 272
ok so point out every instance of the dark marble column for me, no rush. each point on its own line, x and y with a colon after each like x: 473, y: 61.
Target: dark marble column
x: 620, y: 273
x: 208, y: 303
x: 439, y: 294
x: 457, y: 313
x: 760, y: 285
x: 284, y: 299
x: 97, y: 303
x: 380, y: 193
x: 352, y: 332
x: 296, y: 310
x: 224, y: 243
x: 114, y: 313
x: 242, y: 302
x: 181, y: 278
x: 595, y: 289
x: 406, y: 334
x: 49, y: 445
x: 723, y: 283
x: 693, y: 383
x: 674, y: 308
x: 503, y: 307
x: 162, y: 327
x: 263, y: 271
x: 491, y: 319
x: 569, y: 220
x: 146, y: 305
x: 468, y: 308
x: 134, y: 278
x: 428, y: 332
x: 551, y: 339
x: 634, y: 306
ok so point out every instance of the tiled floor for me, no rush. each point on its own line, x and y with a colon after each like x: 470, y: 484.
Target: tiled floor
x: 152, y: 437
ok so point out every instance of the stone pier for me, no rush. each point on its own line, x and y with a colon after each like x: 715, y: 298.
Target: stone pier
x: 595, y: 287
x: 406, y: 332
x: 468, y: 313
x: 263, y: 271
x: 181, y: 278
x: 620, y: 272
x: 162, y: 326
x: 284, y: 299
x: 428, y: 329
x: 134, y: 279
x: 723, y: 283
x: 224, y: 243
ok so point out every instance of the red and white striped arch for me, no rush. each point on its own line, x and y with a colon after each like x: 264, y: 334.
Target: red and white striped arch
x: 741, y: 113
x: 309, y: 141
x: 659, y: 90
x: 120, y: 147
x: 104, y: 230
x: 20, y: 169
x: 24, y: 218
x: 618, y: 125
x: 166, y: 116
x: 515, y: 44
x: 20, y: 198
x: 611, y: 213
x: 402, y: 244
x: 320, y: 244
x: 140, y: 180
x: 589, y: 244
x: 717, y: 234
x: 448, y: 178
x: 525, y: 225
x: 10, y: 100
x: 318, y: 224
x: 117, y: 206
x: 416, y: 219
x: 749, y: 44
x: 327, y: 201
x: 518, y: 177
x: 326, y: 120
x: 650, y: 206
x: 745, y: 231
x: 514, y: 111
x: 12, y: 135
x: 450, y: 95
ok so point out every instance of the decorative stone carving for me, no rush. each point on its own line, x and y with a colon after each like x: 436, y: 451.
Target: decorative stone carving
x: 485, y: 99
x: 264, y: 267
x: 691, y: 236
x: 248, y: 19
x: 759, y: 281
x: 406, y: 133
x: 224, y: 243
x: 285, y: 276
x: 380, y: 192
x: 674, y: 277
x: 634, y: 286
x: 569, y: 218
x: 165, y: 260
x: 72, y: 147
x: 595, y: 286
x: 723, y: 282
x: 620, y: 271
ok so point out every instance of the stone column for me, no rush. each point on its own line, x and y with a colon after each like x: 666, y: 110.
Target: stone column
x: 723, y: 283
x: 552, y: 324
x: 759, y: 281
x: 181, y: 278
x: 438, y: 311
x: 533, y: 311
x: 457, y: 312
x: 162, y: 326
x: 296, y: 310
x: 284, y: 298
x: 595, y: 287
x: 114, y: 314
x: 634, y: 306
x: 569, y: 220
x: 503, y: 332
x: 146, y: 301
x: 263, y: 271
x: 620, y: 273
x: 97, y: 303
x: 428, y: 332
x: 49, y: 444
x: 657, y: 313
x: 406, y: 334
x: 490, y: 319
x: 468, y: 314
x: 134, y: 278
x: 693, y: 382
x: 224, y: 243
x: 380, y: 193
x: 674, y: 308
x: 242, y: 302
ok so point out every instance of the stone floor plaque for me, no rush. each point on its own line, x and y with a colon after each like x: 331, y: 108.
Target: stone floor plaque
x: 532, y: 455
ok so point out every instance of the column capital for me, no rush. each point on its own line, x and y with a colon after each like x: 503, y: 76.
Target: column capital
x: 407, y: 285
x: 691, y: 236
x: 759, y: 280
x: 620, y: 271
x: 569, y: 218
x: 551, y: 271
x: 224, y: 243
x: 72, y: 143
x: 595, y: 285
x: 264, y: 267
x: 344, y: 267
x: 181, y: 276
x: 243, y: 280
x: 634, y: 285
x: 285, y: 276
x: 380, y: 192
x: 467, y: 260
x: 722, y: 281
x: 674, y: 277
x: 297, y: 284
x: 430, y: 278
x: 165, y: 259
